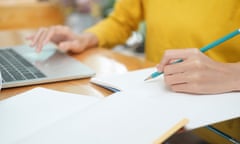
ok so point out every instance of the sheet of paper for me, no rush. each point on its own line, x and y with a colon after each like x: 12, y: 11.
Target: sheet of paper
x: 138, y: 116
x: 126, y: 81
x: 134, y: 81
x: 119, y: 119
x: 26, y: 113
x: 201, y: 110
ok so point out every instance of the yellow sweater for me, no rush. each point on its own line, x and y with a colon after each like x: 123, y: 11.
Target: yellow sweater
x: 174, y: 24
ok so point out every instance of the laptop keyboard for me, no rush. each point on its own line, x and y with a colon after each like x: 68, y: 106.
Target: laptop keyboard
x: 14, y: 67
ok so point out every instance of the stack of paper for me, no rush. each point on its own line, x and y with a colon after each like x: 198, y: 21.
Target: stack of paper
x: 142, y: 112
x: 137, y: 117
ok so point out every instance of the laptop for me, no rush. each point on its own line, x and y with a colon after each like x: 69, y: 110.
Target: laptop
x: 21, y: 65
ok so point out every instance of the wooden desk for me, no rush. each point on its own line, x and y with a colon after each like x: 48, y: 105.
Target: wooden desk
x: 103, y: 62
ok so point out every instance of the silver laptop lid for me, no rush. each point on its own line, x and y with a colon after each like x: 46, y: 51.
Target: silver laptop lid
x: 52, y: 64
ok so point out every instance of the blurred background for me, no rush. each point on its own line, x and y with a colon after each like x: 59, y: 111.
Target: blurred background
x: 77, y: 14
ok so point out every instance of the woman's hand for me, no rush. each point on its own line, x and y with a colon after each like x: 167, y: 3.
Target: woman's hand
x: 64, y: 38
x: 198, y: 73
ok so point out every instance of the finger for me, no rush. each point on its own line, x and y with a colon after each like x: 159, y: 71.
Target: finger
x: 37, y: 36
x: 44, y: 39
x: 39, y: 43
x: 174, y: 68
x: 175, y: 79
x: 48, y: 36
x: 172, y: 55
x: 180, y: 67
x: 188, y: 66
x: 164, y: 67
x: 187, y: 88
x: 183, y: 87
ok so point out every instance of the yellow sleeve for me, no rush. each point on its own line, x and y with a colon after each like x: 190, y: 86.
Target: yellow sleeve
x: 120, y: 23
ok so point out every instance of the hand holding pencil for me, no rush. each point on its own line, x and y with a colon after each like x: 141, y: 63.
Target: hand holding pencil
x: 197, y: 73
x: 191, y: 71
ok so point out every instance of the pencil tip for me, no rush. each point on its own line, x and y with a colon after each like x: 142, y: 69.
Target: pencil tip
x: 147, y: 78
